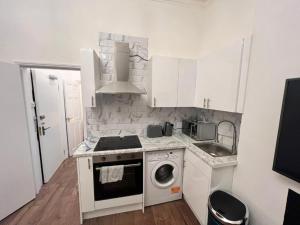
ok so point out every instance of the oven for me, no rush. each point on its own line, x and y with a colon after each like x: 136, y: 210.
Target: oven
x: 131, y: 183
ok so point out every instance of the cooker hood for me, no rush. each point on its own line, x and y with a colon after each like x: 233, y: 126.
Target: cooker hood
x: 120, y: 78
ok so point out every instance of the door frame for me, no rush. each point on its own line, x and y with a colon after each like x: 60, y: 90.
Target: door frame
x: 27, y: 89
x: 26, y: 78
x: 82, y: 116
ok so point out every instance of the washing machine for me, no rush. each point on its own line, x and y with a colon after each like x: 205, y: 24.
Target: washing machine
x: 163, y: 171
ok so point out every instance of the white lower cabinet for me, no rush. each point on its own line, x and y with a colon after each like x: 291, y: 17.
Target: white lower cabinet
x: 199, y: 180
x: 85, y: 184
x: 195, y: 189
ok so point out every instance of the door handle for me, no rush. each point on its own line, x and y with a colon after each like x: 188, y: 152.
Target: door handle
x: 42, y: 117
x: 89, y: 164
x: 92, y: 100
x: 44, y: 129
x: 204, y: 103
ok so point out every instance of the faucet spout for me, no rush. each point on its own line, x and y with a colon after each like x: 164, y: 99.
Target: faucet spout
x: 234, y: 147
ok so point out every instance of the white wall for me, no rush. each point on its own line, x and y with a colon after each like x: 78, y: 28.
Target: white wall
x: 223, y: 22
x: 275, y: 57
x: 54, y: 31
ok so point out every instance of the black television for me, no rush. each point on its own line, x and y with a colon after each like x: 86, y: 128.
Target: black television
x: 292, y: 210
x: 287, y: 153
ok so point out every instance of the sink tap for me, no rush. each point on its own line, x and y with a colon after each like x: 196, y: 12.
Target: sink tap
x: 234, y: 147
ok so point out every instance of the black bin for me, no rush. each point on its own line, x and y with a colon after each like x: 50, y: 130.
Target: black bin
x: 224, y: 209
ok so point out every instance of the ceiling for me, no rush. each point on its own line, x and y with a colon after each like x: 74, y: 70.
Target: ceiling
x: 187, y: 2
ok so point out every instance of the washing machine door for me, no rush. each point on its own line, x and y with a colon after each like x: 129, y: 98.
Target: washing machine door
x: 164, y: 174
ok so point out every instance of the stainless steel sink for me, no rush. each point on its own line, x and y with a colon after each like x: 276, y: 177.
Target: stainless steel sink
x: 214, y: 149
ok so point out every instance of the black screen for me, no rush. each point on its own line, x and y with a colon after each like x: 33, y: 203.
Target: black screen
x: 287, y: 154
x: 292, y: 210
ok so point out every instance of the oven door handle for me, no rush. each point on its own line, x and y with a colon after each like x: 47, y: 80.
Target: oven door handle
x: 126, y: 166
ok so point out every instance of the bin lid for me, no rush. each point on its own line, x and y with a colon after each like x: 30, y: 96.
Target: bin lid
x: 231, y: 209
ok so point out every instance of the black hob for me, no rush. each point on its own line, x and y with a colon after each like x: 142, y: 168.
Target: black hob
x: 116, y: 142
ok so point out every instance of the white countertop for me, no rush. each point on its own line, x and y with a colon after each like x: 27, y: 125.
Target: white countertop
x: 176, y: 141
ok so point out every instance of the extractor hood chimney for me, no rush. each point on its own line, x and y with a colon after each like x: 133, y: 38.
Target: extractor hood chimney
x: 120, y: 83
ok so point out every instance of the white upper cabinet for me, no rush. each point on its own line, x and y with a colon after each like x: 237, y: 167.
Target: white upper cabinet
x: 222, y: 77
x: 90, y: 76
x: 163, y: 79
x: 186, y: 82
x: 171, y: 82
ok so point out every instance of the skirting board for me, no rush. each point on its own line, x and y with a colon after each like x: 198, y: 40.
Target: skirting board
x: 115, y: 210
x: 117, y: 202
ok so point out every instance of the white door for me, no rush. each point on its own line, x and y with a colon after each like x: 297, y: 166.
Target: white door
x: 186, y: 82
x: 48, y: 104
x: 73, y: 113
x: 16, y: 173
x: 164, y: 81
x: 218, y: 79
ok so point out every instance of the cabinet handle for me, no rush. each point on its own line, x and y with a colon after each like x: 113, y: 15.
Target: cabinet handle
x: 204, y: 103
x: 154, y: 101
x: 208, y: 100
x: 92, y: 100
x: 89, y: 164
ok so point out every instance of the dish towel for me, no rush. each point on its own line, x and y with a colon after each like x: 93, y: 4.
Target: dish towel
x: 110, y: 174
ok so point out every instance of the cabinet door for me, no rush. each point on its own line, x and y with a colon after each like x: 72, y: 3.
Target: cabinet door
x: 218, y: 79
x: 85, y: 183
x: 186, y: 82
x: 196, y: 190
x: 90, y: 76
x: 164, y: 81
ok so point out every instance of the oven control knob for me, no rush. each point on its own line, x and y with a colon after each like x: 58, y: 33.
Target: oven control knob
x: 103, y: 158
x: 118, y: 157
x: 166, y: 155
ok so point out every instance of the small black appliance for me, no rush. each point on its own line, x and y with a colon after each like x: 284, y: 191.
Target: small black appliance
x: 168, y: 129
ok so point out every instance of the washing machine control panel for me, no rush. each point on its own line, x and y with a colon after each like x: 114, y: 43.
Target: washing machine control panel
x: 163, y: 155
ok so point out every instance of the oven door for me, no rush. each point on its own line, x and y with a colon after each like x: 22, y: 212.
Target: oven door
x: 131, y: 184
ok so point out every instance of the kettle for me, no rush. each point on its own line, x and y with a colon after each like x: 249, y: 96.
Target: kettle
x: 168, y: 129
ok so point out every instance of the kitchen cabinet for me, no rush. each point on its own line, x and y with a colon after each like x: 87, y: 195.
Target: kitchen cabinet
x: 197, y: 185
x: 162, y: 83
x: 171, y: 82
x: 90, y: 76
x: 222, y: 77
x: 85, y: 184
x: 187, y: 74
x: 199, y: 180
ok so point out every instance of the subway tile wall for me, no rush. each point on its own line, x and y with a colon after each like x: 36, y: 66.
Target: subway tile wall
x: 126, y: 114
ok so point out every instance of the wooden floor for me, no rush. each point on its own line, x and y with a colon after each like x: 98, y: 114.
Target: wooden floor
x: 57, y: 204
